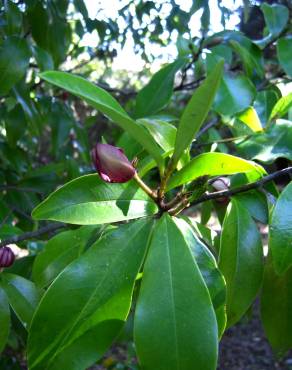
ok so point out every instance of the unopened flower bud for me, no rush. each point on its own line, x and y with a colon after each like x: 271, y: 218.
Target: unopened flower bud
x: 111, y: 163
x: 7, y: 257
x: 222, y: 183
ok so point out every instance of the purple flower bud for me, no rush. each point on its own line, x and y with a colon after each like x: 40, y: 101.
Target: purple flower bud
x: 222, y: 183
x: 111, y: 163
x: 7, y: 257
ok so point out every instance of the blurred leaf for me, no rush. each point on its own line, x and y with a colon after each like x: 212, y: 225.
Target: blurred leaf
x: 251, y: 119
x: 164, y: 133
x: 14, y: 60
x: 235, y: 94
x: 103, y: 101
x: 4, y: 318
x: 284, y: 47
x: 280, y: 235
x: 43, y: 59
x: 90, y: 201
x: 22, y: 295
x: 276, y: 17
x: 175, y: 325
x: 13, y: 18
x: 81, y: 8
x: 240, y: 260
x: 97, y: 288
x: 211, y: 164
x: 15, y: 125
x: 157, y: 93
x: 196, y: 111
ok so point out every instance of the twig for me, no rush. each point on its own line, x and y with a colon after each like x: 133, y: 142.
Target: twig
x: 32, y: 234
x: 243, y: 188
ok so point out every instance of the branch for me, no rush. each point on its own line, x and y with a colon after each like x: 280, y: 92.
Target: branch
x: 243, y: 188
x: 31, y: 234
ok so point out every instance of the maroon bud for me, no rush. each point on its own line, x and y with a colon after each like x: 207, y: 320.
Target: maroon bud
x: 111, y: 163
x: 7, y: 257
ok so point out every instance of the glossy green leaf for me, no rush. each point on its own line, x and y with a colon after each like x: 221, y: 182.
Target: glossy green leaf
x: 256, y: 203
x: 22, y: 295
x: 79, y: 310
x: 164, y: 133
x: 209, y: 269
x: 14, y: 60
x: 235, y: 94
x: 61, y: 250
x: 276, y: 308
x: 275, y: 142
x: 251, y: 119
x: 175, y: 325
x: 240, y: 260
x: 280, y: 236
x: 196, y: 111
x: 284, y: 47
x: 104, y: 102
x: 88, y: 200
x: 281, y: 107
x: 157, y: 93
x: 4, y: 318
x: 212, y: 164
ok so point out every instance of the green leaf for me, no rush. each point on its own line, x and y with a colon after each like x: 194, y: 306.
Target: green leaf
x: 22, y: 295
x: 14, y: 60
x: 104, y: 102
x: 212, y: 164
x: 240, y: 260
x: 250, y: 62
x: 196, y: 111
x: 43, y: 58
x: 4, y: 318
x: 61, y: 250
x: 88, y: 200
x: 275, y: 142
x: 235, y: 94
x: 265, y: 100
x: 82, y: 304
x: 256, y: 204
x: 175, y: 325
x: 276, y: 306
x: 209, y: 269
x: 276, y: 17
x: 280, y: 236
x: 251, y: 119
x: 157, y: 93
x: 15, y: 125
x: 13, y: 18
x: 281, y: 107
x: 284, y: 47
x: 163, y: 132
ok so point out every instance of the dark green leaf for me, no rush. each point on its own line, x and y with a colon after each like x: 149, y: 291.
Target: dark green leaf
x: 240, y: 260
x: 103, y: 101
x: 13, y: 18
x: 280, y: 237
x: 265, y: 100
x: 58, y: 253
x: 83, y: 301
x: 284, y: 47
x: 175, y: 324
x: 14, y: 60
x: 157, y: 93
x: 276, y: 17
x: 196, y: 111
x: 90, y: 201
x: 4, y: 318
x: 208, y: 267
x: 276, y: 307
x: 212, y: 164
x: 22, y: 295
x: 43, y: 59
